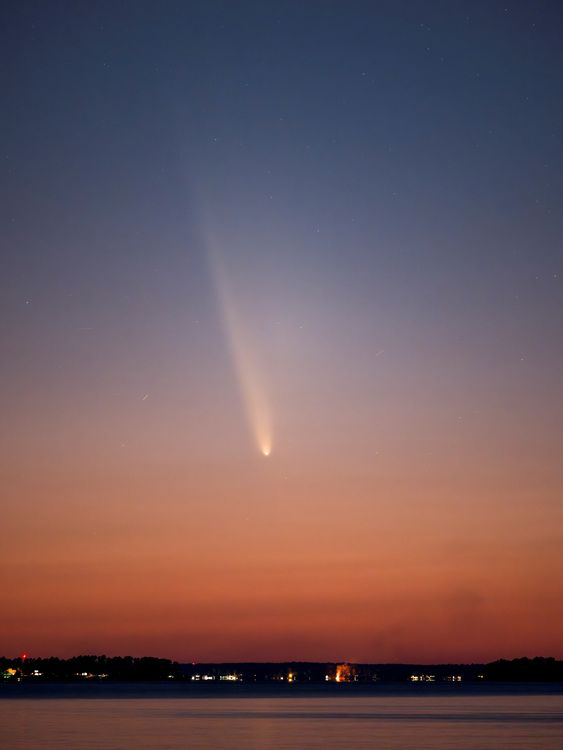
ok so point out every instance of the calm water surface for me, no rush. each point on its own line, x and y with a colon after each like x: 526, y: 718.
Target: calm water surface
x: 386, y: 722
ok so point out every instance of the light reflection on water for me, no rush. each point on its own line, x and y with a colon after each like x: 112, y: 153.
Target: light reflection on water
x: 270, y: 723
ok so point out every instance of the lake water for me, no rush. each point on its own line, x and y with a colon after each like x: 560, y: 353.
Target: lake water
x: 114, y: 720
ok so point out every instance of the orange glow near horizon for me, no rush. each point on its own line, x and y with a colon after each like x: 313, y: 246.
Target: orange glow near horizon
x: 235, y: 578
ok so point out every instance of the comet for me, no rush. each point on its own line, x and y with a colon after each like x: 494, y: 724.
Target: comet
x: 245, y: 355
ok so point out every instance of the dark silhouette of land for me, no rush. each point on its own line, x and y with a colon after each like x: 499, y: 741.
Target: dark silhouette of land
x: 143, y: 669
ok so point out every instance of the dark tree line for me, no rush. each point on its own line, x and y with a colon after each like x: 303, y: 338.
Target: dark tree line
x: 539, y: 669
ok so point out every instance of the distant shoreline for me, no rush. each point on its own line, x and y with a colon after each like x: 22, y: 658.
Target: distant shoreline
x: 93, y: 669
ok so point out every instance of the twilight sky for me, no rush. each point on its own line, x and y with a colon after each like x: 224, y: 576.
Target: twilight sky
x: 330, y: 231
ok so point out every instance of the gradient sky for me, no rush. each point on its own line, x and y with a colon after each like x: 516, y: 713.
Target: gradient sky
x: 332, y: 227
